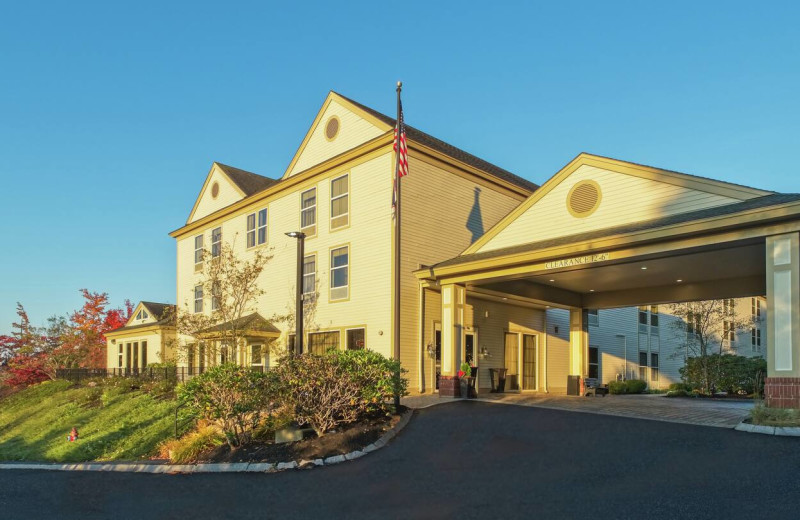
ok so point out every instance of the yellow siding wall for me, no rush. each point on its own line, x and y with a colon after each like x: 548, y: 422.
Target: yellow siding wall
x: 441, y: 217
x: 625, y: 199
x: 370, y: 255
x: 156, y: 340
x: 228, y: 194
x: 353, y: 131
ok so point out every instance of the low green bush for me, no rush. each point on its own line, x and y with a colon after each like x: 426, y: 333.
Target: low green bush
x: 617, y: 387
x: 680, y: 386
x: 726, y: 373
x: 378, y: 377
x: 635, y: 386
x: 631, y: 386
x: 765, y: 416
x: 234, y: 397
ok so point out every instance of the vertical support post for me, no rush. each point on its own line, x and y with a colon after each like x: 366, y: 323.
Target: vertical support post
x: 578, y: 342
x: 298, y: 339
x: 453, y: 300
x: 782, y: 385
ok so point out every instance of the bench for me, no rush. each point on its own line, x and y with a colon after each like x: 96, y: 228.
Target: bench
x: 593, y: 387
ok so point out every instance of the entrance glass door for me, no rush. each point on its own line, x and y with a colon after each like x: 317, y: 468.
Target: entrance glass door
x: 528, y: 362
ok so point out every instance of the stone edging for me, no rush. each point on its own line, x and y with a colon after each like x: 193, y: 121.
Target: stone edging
x: 249, y: 467
x: 784, y: 431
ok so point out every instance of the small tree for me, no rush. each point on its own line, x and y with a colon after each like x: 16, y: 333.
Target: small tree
x: 234, y: 289
x: 702, y: 329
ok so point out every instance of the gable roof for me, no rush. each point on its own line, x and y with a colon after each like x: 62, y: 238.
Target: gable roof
x: 246, y: 181
x: 163, y: 313
x: 703, y: 184
x: 763, y: 202
x: 448, y: 149
x: 159, y: 311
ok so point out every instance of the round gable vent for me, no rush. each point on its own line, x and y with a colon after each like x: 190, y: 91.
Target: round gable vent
x: 332, y: 128
x: 583, y: 198
x: 214, y: 190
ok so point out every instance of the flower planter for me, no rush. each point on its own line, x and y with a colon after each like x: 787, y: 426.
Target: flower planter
x: 449, y: 386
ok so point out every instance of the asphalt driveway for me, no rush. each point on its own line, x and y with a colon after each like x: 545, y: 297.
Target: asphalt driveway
x: 466, y: 460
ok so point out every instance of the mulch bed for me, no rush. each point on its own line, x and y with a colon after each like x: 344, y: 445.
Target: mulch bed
x: 348, y: 438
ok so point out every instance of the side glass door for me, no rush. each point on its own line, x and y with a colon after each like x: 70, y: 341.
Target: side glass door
x: 528, y: 362
x: 437, y: 343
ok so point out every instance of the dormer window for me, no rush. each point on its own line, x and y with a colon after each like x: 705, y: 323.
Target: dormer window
x: 142, y: 315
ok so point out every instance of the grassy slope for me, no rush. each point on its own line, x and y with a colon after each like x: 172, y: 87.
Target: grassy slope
x: 34, y: 424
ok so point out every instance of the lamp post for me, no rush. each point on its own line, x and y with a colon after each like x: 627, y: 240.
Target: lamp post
x: 298, y: 338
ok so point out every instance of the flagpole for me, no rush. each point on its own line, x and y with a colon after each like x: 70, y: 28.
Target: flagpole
x: 397, y: 231
x: 397, y: 238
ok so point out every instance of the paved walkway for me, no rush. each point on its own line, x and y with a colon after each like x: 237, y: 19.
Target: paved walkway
x: 703, y: 412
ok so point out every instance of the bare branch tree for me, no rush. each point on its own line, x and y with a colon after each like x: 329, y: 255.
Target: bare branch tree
x: 702, y: 330
x: 233, y: 286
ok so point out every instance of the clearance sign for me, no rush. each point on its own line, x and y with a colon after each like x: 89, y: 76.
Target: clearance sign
x: 578, y: 260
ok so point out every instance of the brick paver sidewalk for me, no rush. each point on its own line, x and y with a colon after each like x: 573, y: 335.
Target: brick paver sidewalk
x: 703, y: 412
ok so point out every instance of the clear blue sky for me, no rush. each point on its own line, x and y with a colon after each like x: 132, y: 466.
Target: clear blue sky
x: 111, y: 116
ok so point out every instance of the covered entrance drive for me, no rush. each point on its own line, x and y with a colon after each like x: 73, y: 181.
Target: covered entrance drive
x: 604, y: 233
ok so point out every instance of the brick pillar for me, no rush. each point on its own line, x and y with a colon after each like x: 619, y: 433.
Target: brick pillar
x: 782, y: 392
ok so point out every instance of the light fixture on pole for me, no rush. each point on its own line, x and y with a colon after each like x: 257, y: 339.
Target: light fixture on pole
x: 298, y: 338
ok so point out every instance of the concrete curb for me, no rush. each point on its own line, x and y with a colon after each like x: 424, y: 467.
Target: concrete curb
x: 780, y: 431
x: 239, y: 467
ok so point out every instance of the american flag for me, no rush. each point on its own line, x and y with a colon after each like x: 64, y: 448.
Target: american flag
x: 402, y: 163
x: 402, y: 157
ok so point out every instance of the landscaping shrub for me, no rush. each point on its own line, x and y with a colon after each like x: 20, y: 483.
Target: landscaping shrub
x: 319, y: 392
x: 234, y: 397
x: 631, y: 386
x: 378, y: 378
x: 189, y: 447
x: 635, y: 386
x: 675, y: 387
x: 762, y: 415
x: 617, y: 387
x: 726, y: 372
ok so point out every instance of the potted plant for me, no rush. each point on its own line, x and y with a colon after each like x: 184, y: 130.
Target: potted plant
x: 465, y: 379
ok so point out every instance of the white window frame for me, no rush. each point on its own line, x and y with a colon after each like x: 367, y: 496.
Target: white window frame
x: 346, y: 267
x: 337, y: 197
x: 198, y: 289
x: 216, y: 245
x: 312, y: 275
x: 254, y: 233
x: 198, y: 252
x: 214, y: 298
x: 312, y: 209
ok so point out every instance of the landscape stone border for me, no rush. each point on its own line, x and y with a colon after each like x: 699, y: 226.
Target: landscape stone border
x: 235, y: 467
x: 785, y: 431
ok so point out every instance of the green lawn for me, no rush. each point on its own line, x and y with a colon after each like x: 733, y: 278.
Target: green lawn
x: 35, y: 422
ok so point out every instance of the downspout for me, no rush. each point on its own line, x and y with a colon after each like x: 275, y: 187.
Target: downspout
x: 421, y: 336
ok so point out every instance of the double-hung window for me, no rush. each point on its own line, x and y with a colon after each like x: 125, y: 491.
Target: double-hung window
x: 198, y: 253
x: 198, y: 298
x: 643, y: 366
x: 355, y: 339
x: 321, y: 342
x: 653, y: 366
x: 257, y: 228
x: 340, y: 273
x: 308, y: 212
x: 216, y: 242
x: 340, y: 202
x: 593, y: 317
x: 309, y: 274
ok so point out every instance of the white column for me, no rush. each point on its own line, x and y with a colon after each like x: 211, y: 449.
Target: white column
x: 578, y: 342
x: 453, y: 300
x: 783, y: 305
